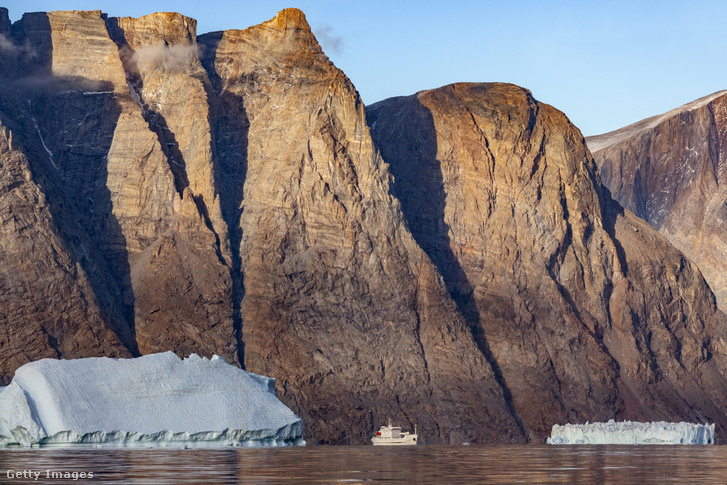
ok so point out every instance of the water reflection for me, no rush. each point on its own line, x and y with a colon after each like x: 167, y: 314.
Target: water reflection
x: 422, y: 464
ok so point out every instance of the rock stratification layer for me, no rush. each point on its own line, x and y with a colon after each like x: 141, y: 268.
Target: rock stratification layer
x: 671, y: 170
x: 584, y: 311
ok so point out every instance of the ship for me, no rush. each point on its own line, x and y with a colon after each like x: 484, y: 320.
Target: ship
x: 392, y: 435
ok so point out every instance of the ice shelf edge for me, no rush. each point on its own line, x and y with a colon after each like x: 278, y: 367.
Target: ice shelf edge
x: 290, y: 435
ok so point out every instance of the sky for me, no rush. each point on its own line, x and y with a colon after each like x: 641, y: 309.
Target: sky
x: 605, y: 64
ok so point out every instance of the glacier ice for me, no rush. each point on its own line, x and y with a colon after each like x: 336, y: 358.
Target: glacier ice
x: 155, y: 399
x: 632, y: 433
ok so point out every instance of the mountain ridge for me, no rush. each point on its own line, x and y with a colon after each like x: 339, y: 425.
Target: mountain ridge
x: 541, y: 261
x: 672, y: 172
x: 226, y: 194
x: 599, y: 142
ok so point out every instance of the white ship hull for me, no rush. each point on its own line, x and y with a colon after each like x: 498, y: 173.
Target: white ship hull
x: 393, y: 436
x: 408, y: 441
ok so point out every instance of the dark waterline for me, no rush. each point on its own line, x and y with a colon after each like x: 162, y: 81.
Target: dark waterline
x: 340, y: 464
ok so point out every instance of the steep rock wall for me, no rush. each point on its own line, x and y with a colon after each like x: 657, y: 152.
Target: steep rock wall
x: 340, y: 304
x: 671, y: 170
x: 90, y: 135
x: 49, y: 307
x: 586, y: 312
x: 222, y: 194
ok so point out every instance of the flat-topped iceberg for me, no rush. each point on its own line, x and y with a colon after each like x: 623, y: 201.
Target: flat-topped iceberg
x: 632, y: 433
x: 154, y: 399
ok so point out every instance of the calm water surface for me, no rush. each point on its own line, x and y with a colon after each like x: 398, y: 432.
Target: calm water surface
x: 339, y: 464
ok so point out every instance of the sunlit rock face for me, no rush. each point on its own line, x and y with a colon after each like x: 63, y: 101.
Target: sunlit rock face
x: 671, y: 170
x: 181, y: 270
x: 585, y: 311
x: 225, y: 198
x: 340, y: 303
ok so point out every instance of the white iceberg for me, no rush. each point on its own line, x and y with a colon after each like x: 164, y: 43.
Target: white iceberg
x: 632, y: 433
x: 155, y: 399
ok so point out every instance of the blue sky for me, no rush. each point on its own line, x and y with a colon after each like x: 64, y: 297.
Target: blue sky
x: 605, y: 64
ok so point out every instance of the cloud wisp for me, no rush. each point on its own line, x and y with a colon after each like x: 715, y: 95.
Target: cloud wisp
x: 9, y: 47
x: 167, y: 57
x: 328, y: 40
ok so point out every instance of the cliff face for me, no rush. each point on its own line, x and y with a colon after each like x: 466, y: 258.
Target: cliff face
x: 584, y: 311
x: 340, y: 304
x: 181, y: 264
x: 671, y: 170
x: 90, y: 133
x: 223, y: 194
x: 49, y: 306
x: 151, y: 156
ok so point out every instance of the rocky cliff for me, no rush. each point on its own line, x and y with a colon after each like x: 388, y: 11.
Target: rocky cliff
x: 584, y: 311
x: 155, y: 146
x: 671, y: 170
x: 101, y: 141
x: 223, y: 194
x: 340, y: 304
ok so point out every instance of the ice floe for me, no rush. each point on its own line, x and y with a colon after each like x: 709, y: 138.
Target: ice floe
x: 151, y: 400
x: 632, y: 433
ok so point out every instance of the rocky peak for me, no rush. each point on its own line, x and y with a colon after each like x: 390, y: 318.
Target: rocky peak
x: 165, y: 28
x: 5, y: 23
x: 30, y: 46
x: 289, y: 29
x: 104, y: 65
x: 289, y: 19
x: 52, y: 43
x: 599, y: 142
x: 671, y: 170
x: 502, y: 193
x: 156, y: 42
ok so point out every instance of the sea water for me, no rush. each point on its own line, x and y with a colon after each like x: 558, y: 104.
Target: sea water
x: 347, y: 464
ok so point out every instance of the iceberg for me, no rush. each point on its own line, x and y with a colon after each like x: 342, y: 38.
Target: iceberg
x: 156, y: 399
x: 632, y: 433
